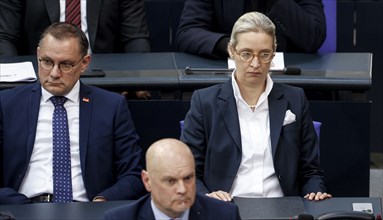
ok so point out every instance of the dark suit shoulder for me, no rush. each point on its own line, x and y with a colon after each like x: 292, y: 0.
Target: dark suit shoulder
x: 287, y: 87
x: 100, y: 93
x: 19, y: 95
x: 211, y: 202
x: 291, y: 92
x: 138, y: 209
x: 214, y: 88
x: 221, y: 91
x: 97, y: 90
x: 21, y: 89
x: 205, y: 207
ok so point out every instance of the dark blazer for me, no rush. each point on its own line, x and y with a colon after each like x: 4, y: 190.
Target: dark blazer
x: 212, y: 131
x: 109, y: 151
x: 204, y: 208
x: 300, y: 24
x: 113, y: 25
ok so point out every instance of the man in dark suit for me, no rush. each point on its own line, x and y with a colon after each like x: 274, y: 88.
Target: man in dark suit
x: 170, y: 179
x: 252, y: 137
x: 205, y: 26
x: 111, y: 25
x: 104, y: 151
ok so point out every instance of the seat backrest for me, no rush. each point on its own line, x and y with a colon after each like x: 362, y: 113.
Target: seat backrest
x: 163, y: 31
x: 329, y: 45
x: 182, y: 125
x: 317, y: 126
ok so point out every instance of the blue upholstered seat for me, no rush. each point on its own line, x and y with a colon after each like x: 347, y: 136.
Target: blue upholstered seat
x: 329, y: 45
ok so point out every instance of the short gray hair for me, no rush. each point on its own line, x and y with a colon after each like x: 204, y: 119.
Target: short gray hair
x: 256, y: 22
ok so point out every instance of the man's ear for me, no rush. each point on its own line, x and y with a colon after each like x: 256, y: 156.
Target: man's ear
x: 85, y: 62
x: 146, y: 180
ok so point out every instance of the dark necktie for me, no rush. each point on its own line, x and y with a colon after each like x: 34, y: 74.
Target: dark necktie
x: 73, y: 12
x: 62, y: 179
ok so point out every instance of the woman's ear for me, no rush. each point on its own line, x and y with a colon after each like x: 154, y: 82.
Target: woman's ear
x: 230, y: 50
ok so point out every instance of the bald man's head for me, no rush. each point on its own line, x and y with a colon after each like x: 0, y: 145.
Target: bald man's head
x: 166, y: 152
x: 170, y: 176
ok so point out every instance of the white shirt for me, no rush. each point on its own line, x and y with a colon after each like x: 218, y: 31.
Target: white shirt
x: 256, y: 175
x: 39, y: 178
x: 84, y: 23
x: 158, y: 215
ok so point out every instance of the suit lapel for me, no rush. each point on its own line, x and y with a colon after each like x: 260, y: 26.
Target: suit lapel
x: 227, y: 105
x: 86, y: 105
x: 277, y: 111
x: 93, y: 13
x: 146, y: 211
x: 33, y: 115
x: 197, y: 211
x: 53, y: 10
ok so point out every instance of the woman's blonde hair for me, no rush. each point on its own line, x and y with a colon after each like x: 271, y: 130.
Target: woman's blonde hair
x: 256, y: 22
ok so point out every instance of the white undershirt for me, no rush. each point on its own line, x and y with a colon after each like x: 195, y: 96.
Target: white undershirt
x: 39, y: 179
x: 256, y: 175
x: 84, y: 23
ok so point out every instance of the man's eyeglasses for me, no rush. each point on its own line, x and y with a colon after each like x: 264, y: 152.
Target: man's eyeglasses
x: 64, y: 67
x: 247, y: 56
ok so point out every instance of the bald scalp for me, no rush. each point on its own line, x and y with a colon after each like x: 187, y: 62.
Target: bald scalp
x: 167, y: 151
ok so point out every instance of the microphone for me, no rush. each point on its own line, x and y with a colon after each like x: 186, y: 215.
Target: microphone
x: 213, y: 71
x: 303, y: 217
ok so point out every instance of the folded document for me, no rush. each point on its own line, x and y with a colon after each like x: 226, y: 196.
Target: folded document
x: 17, y: 72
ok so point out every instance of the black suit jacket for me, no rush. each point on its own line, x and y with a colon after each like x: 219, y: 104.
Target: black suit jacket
x: 204, y: 208
x: 110, y: 156
x: 300, y: 24
x: 212, y: 131
x: 113, y: 25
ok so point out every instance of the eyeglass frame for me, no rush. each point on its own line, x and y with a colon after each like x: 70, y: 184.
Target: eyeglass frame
x: 60, y: 64
x: 254, y: 55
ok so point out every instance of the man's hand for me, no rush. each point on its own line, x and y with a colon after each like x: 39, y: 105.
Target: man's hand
x: 98, y: 199
x: 221, y: 195
x: 318, y: 196
x: 137, y: 94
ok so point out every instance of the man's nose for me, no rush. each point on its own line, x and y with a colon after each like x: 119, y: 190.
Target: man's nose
x: 181, y: 188
x: 55, y: 71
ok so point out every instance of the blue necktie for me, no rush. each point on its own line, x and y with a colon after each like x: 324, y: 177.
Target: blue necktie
x: 62, y: 179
